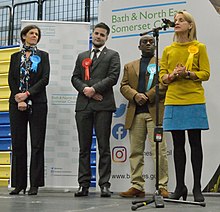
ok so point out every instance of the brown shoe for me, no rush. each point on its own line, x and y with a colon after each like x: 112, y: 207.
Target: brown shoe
x: 164, y: 193
x: 132, y: 192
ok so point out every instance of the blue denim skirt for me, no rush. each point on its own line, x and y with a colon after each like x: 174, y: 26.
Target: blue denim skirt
x: 185, y: 117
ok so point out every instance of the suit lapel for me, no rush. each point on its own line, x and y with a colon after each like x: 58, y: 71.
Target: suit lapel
x: 135, y: 72
x: 87, y: 54
x: 153, y: 60
x: 18, y: 62
x: 136, y: 67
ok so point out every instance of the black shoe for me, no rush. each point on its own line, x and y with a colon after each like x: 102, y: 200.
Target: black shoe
x: 82, y: 192
x: 179, y: 192
x: 105, y: 192
x: 33, y: 191
x: 16, y: 191
x: 198, y: 197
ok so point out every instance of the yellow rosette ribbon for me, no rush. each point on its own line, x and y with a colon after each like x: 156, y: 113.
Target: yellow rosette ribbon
x: 192, y: 50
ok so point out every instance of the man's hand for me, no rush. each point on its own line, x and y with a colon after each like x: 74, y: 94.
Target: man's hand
x: 97, y: 97
x: 89, y: 91
x: 140, y: 98
x: 22, y: 106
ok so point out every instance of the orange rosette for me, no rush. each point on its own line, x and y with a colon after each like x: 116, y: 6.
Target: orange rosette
x: 86, y: 63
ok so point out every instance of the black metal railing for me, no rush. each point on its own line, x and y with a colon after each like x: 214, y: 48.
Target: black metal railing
x: 48, y: 10
x: 22, y: 11
x: 5, y: 25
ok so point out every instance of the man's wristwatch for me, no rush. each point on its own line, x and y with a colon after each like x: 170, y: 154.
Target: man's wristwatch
x: 188, y: 75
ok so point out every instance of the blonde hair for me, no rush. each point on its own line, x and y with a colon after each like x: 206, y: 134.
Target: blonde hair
x: 189, y: 18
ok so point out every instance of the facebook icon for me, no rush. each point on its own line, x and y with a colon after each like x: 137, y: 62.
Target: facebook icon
x: 119, y: 132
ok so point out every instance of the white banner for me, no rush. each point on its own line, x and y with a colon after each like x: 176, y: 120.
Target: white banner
x: 127, y: 19
x: 63, y: 41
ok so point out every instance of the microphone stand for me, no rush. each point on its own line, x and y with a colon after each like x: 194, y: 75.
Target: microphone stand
x: 158, y: 135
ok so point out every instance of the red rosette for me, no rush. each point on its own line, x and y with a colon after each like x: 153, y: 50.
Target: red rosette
x: 86, y: 63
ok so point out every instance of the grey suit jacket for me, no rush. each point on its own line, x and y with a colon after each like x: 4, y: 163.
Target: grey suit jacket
x: 104, y: 75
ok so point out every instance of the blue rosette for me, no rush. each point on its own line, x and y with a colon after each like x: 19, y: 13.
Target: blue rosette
x: 152, y: 71
x: 35, y: 59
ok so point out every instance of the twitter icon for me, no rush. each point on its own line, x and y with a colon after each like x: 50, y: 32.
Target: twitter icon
x: 120, y: 111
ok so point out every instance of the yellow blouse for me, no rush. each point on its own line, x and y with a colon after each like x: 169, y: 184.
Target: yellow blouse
x: 184, y: 91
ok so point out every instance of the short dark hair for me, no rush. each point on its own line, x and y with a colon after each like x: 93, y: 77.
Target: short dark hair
x: 26, y: 29
x: 103, y: 26
x: 150, y: 36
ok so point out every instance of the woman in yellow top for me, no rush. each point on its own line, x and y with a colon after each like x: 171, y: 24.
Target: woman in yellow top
x: 184, y: 65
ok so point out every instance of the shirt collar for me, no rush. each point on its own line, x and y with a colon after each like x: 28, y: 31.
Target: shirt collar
x: 101, y: 48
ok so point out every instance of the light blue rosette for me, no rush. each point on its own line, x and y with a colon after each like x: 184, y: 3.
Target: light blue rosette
x: 152, y: 71
x: 35, y: 59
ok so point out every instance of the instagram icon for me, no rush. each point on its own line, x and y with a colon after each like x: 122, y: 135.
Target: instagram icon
x: 119, y: 154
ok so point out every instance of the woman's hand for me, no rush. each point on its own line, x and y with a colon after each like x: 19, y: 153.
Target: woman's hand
x: 20, y: 97
x: 181, y: 70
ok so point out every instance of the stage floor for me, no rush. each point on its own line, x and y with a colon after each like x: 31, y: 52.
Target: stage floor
x: 58, y: 201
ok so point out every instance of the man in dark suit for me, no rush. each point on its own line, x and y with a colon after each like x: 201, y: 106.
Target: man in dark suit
x: 94, y: 80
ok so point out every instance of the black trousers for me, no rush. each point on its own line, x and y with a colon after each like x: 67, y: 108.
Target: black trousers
x: 101, y: 121
x: 19, y: 123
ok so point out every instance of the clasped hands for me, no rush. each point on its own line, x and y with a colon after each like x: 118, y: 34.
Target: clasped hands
x: 20, y: 99
x: 91, y: 93
x: 140, y: 98
x: 180, y: 70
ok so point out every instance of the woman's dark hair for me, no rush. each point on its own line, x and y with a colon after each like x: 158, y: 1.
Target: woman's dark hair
x: 26, y: 29
x: 103, y: 26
